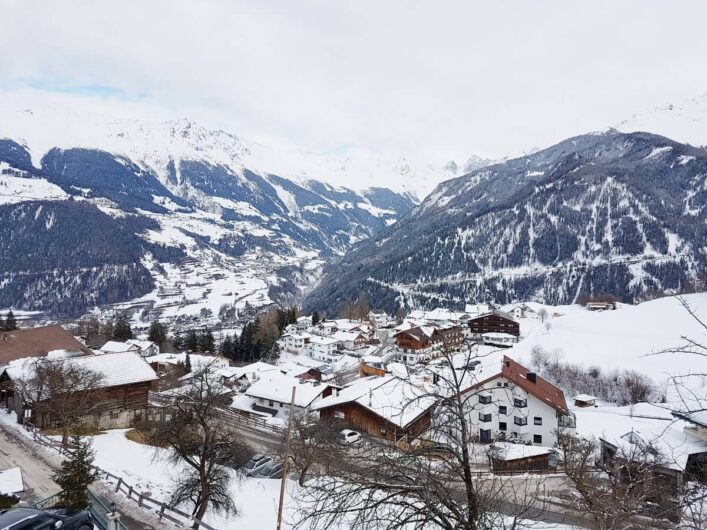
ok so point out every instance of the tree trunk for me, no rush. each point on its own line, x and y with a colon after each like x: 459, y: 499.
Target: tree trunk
x: 65, y: 436
x: 303, y: 475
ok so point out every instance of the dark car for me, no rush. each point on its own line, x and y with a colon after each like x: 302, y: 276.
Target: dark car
x: 271, y: 470
x: 50, y: 519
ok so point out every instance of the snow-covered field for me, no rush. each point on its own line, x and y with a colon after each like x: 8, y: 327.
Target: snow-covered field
x: 624, y: 338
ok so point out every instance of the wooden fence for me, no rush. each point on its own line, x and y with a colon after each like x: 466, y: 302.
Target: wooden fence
x: 161, y: 509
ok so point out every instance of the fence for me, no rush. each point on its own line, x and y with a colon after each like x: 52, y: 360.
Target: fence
x: 161, y: 509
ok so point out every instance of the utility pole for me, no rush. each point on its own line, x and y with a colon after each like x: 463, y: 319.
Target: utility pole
x: 287, y: 458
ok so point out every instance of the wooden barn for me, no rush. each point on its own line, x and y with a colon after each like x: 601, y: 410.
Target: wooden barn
x: 494, y: 322
x: 508, y: 457
x: 386, y: 407
x: 118, y: 401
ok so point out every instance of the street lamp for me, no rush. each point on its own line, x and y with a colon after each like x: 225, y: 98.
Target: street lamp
x: 113, y: 516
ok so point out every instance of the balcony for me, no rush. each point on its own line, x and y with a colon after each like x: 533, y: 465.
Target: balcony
x: 520, y: 403
x: 567, y: 421
x: 484, y: 417
x: 484, y: 399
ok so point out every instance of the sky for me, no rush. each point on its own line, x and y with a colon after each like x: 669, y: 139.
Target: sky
x: 430, y: 80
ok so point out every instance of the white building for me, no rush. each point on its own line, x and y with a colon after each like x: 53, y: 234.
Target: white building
x: 350, y: 340
x: 303, y: 324
x: 146, y: 348
x: 322, y: 348
x: 114, y: 346
x: 517, y: 404
x: 272, y: 394
x: 296, y: 343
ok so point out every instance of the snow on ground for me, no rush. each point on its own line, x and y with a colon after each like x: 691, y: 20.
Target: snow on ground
x: 619, y: 339
x: 11, y: 481
x: 19, y: 189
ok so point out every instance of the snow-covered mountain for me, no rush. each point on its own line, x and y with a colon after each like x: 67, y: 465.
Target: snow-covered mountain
x: 153, y: 145
x: 608, y: 212
x: 167, y: 215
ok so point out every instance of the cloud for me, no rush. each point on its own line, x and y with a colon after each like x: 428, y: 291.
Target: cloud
x: 427, y: 79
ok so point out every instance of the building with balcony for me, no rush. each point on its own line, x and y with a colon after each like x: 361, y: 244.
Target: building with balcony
x: 517, y: 404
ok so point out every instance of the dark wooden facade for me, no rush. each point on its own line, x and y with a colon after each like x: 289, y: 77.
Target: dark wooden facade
x: 408, y: 342
x: 518, y: 465
x: 364, y: 420
x: 494, y: 323
x: 450, y: 338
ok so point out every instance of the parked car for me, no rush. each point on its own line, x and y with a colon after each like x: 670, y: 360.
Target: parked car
x: 256, y: 463
x: 347, y: 436
x: 271, y: 470
x: 50, y: 519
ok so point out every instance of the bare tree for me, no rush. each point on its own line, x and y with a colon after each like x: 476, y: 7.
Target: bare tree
x: 313, y: 444
x: 196, y: 437
x: 620, y: 485
x: 58, y: 391
x: 440, y: 482
x: 542, y: 313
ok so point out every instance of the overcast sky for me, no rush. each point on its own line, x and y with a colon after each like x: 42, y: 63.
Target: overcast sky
x: 434, y: 80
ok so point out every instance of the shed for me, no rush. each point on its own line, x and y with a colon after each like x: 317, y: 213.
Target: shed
x: 584, y: 400
x: 509, y: 457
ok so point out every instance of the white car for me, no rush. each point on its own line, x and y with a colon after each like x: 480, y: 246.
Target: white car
x: 348, y: 436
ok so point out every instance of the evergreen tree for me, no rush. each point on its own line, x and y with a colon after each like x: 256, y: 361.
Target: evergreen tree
x: 226, y: 348
x: 191, y: 341
x: 10, y: 323
x: 157, y: 333
x: 76, y: 474
x: 315, y: 318
x: 206, y: 342
x: 187, y: 364
x: 121, y: 328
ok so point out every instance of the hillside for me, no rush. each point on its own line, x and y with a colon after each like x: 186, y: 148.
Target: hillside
x: 620, y: 213
x: 187, y: 236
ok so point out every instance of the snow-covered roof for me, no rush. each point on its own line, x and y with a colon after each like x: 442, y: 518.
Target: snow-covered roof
x: 394, y: 399
x: 195, y: 359
x: 277, y: 386
x: 11, y: 481
x: 346, y: 336
x: 298, y: 336
x: 236, y: 372
x: 114, y: 346
x: 117, y: 369
x: 584, y: 397
x: 324, y: 341
x: 510, y: 451
x: 142, y: 344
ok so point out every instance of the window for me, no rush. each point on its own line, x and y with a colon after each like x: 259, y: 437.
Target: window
x: 281, y: 405
x: 339, y: 414
x: 520, y: 421
x: 484, y: 417
x: 502, y: 409
x: 484, y: 399
x: 502, y: 426
x: 499, y: 383
x: 537, y: 420
x: 114, y: 415
x: 271, y: 403
x: 520, y: 403
x: 537, y: 439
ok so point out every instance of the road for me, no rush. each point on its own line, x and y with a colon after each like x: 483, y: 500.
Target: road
x: 36, y: 473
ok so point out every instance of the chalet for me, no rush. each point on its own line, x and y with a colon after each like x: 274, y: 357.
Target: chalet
x: 380, y: 319
x: 518, y: 404
x: 166, y: 362
x: 383, y: 407
x: 498, y: 339
x: 494, y: 322
x: 371, y: 365
x: 421, y: 343
x: 303, y: 324
x: 272, y: 394
x: 114, y: 346
x: 44, y: 341
x: 146, y: 348
x: 518, y: 311
x: 350, y: 340
x: 241, y: 377
x: 119, y: 400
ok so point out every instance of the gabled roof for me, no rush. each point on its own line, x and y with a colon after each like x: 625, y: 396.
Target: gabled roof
x: 391, y: 398
x: 114, y: 346
x: 517, y: 374
x: 142, y: 344
x: 277, y: 386
x: 117, y: 369
x: 37, y: 342
x: 420, y: 333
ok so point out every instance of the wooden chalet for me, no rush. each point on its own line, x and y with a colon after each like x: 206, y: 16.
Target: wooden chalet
x: 119, y: 400
x: 386, y: 407
x: 414, y: 339
x: 494, y: 322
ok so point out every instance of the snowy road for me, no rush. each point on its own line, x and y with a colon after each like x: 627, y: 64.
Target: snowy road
x: 36, y: 474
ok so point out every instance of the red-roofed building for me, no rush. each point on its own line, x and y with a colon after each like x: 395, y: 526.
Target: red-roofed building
x: 517, y: 404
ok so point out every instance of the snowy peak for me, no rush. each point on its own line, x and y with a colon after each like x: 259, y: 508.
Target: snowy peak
x: 607, y: 212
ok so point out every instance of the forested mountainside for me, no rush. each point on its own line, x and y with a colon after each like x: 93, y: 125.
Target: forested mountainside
x: 86, y: 227
x: 620, y: 213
